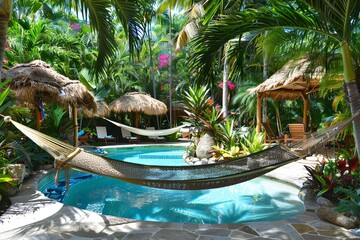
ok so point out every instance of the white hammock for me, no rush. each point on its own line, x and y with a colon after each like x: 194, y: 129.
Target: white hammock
x: 148, y: 132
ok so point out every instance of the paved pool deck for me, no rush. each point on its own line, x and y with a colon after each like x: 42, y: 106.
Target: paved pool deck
x: 34, y: 216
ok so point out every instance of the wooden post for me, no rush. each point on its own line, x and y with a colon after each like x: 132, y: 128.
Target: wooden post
x: 75, y: 124
x: 37, y: 119
x: 305, y: 97
x: 137, y: 119
x: 258, y: 113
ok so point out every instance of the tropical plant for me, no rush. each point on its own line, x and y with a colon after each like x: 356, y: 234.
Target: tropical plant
x: 253, y: 142
x: 335, y: 20
x: 227, y: 134
x: 349, y: 205
x: 101, y: 19
x: 343, y: 172
x: 197, y: 101
x: 219, y: 153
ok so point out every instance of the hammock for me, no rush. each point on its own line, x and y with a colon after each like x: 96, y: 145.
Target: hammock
x: 147, y: 132
x: 222, y: 173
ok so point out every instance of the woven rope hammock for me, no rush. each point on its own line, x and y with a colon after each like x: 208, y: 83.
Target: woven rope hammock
x: 222, y: 173
x: 147, y: 132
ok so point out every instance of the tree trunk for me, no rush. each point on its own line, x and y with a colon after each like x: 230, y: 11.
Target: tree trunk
x: 352, y: 90
x: 152, y: 77
x: 225, y: 91
x: 5, y: 13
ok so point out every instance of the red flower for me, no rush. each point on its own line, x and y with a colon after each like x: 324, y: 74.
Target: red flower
x: 341, y: 165
x: 353, y: 163
x: 347, y: 178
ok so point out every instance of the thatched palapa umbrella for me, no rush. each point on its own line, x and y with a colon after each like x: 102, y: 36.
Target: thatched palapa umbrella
x: 138, y: 102
x: 37, y: 82
x: 296, y: 79
x: 103, y: 110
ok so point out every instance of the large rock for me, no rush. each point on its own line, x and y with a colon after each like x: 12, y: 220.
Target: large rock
x: 204, y: 146
x: 334, y: 217
x: 321, y: 201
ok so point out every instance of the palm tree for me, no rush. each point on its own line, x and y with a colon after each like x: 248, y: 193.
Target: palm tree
x: 101, y: 19
x: 335, y: 19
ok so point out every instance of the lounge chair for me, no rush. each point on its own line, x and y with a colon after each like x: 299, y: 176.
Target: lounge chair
x: 155, y: 138
x: 270, y: 135
x: 103, y: 136
x: 296, y: 133
x: 126, y: 134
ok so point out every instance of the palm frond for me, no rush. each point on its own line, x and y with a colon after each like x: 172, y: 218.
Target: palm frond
x: 279, y: 15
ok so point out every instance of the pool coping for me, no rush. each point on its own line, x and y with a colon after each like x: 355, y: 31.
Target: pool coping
x: 32, y: 216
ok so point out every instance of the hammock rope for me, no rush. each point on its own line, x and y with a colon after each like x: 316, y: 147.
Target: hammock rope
x: 220, y: 174
x: 148, y: 132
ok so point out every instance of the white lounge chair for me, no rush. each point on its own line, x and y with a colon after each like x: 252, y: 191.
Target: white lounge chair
x: 101, y: 133
x: 155, y: 138
x: 126, y: 134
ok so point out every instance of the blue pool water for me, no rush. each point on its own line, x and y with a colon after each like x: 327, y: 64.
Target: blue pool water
x: 260, y: 199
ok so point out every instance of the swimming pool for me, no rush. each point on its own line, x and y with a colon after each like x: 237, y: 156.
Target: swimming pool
x: 260, y: 199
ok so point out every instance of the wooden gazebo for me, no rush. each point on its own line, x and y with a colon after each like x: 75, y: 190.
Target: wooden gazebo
x: 296, y: 79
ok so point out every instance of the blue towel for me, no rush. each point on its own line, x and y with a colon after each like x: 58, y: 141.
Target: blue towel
x: 81, y: 133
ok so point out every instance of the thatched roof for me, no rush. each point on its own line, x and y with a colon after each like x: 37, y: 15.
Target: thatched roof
x: 293, y: 79
x: 37, y: 79
x: 138, y: 102
x: 103, y: 110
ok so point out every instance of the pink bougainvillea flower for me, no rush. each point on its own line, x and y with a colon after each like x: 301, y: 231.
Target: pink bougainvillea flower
x: 163, y: 60
x: 341, y: 165
x: 5, y: 60
x: 353, y: 163
x: 230, y: 84
x: 75, y: 26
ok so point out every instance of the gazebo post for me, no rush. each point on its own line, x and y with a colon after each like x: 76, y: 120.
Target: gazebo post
x: 137, y: 119
x: 37, y: 119
x: 258, y: 113
x: 75, y: 124
x: 305, y: 97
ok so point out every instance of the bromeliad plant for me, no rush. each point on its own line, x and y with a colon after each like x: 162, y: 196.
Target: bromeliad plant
x: 253, y: 143
x: 228, y: 136
x: 342, y: 172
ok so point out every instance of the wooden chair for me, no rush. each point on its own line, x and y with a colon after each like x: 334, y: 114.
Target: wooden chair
x: 103, y: 136
x: 270, y: 135
x: 296, y: 133
x: 83, y: 139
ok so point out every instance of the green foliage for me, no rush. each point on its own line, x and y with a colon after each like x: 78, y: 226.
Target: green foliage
x: 54, y: 120
x: 221, y: 153
x: 343, y: 172
x: 349, y: 205
x: 252, y: 143
x: 227, y: 134
x: 197, y: 103
x: 91, y: 132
